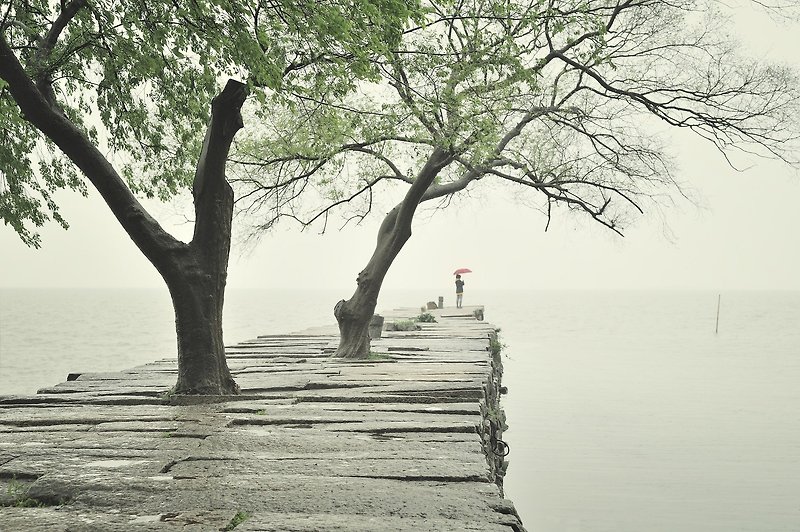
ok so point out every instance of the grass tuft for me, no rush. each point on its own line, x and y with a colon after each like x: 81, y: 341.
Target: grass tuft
x: 236, y: 520
x: 18, y: 497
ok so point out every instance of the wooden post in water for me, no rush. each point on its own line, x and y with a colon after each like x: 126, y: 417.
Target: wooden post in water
x: 716, y: 328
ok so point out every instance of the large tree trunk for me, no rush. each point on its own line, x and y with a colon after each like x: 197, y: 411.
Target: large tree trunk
x: 197, y: 280
x: 353, y: 318
x: 202, y: 367
x: 354, y: 314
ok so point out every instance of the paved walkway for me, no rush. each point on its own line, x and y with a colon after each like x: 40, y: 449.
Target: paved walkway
x: 315, y: 443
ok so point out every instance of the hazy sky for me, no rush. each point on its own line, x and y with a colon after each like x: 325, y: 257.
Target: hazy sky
x: 743, y: 236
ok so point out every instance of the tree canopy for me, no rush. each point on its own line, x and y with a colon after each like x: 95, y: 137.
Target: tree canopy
x: 137, y: 77
x: 565, y: 98
x: 120, y: 93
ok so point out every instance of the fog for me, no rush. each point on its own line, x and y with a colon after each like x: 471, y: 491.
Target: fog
x: 738, y: 232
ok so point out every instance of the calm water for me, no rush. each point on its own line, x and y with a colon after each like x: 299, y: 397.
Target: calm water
x: 627, y: 412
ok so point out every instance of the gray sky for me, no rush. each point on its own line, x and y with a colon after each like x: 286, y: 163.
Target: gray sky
x: 742, y: 236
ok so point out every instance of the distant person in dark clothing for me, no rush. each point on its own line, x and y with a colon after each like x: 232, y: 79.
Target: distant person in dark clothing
x: 459, y: 291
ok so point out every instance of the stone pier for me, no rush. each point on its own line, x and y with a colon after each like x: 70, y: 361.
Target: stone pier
x: 410, y: 439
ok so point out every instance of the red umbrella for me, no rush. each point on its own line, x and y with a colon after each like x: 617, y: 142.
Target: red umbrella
x: 462, y: 270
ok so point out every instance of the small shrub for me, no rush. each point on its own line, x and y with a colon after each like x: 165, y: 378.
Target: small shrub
x: 425, y: 317
x: 496, y: 346
x: 405, y: 325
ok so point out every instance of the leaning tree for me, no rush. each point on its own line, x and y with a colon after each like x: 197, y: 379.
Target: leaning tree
x: 567, y: 99
x: 118, y: 92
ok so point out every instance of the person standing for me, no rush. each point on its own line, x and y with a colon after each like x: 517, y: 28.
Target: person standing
x: 459, y: 290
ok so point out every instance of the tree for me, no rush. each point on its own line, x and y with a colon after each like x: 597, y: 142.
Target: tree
x: 568, y: 99
x: 118, y: 93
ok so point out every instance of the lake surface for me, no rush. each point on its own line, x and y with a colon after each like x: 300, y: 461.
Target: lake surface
x: 627, y: 412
